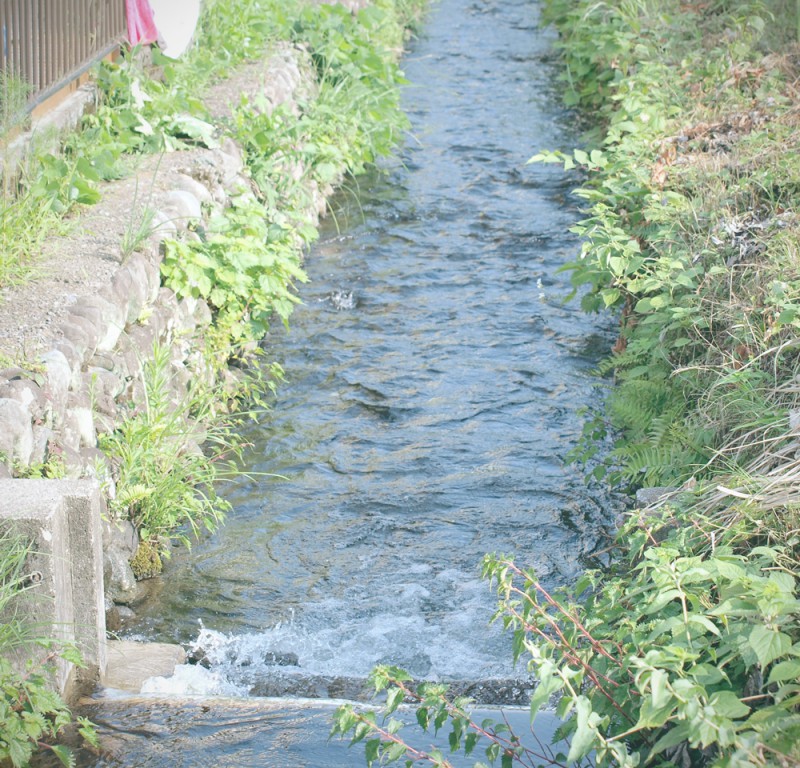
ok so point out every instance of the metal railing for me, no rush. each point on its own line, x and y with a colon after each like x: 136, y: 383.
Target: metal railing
x: 47, y: 43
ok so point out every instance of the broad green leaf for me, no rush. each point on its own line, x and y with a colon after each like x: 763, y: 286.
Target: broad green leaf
x: 585, y: 734
x: 661, y: 600
x: 658, y: 688
x: 548, y: 684
x: 768, y: 644
x: 783, y: 671
x: 395, y: 752
x: 654, y: 717
x: 703, y: 621
x: 727, y: 704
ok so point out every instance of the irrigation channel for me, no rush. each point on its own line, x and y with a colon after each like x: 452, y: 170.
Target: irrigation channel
x: 434, y: 376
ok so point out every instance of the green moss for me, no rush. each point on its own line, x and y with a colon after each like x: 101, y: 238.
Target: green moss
x: 146, y: 563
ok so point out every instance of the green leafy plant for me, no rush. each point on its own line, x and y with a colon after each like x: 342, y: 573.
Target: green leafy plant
x: 167, y: 484
x: 32, y: 714
x: 680, y: 654
x: 245, y: 268
x: 693, y: 256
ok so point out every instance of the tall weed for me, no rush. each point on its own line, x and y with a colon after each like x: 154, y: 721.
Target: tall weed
x: 166, y: 483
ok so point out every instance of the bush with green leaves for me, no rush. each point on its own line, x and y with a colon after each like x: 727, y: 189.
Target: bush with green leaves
x: 685, y: 652
x: 686, y: 230
x: 245, y: 268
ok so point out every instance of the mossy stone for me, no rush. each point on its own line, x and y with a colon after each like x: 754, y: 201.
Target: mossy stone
x: 146, y: 562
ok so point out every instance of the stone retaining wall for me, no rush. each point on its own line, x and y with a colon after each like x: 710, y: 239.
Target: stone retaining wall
x: 92, y: 373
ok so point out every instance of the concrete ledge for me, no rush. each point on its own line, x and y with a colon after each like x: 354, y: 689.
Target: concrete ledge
x: 47, y: 130
x: 130, y: 663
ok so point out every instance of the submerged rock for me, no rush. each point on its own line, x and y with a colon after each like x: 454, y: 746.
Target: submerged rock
x: 279, y: 659
x: 502, y: 691
x: 198, y: 657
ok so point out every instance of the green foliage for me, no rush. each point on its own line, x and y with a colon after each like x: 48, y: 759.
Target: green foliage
x: 248, y: 262
x: 32, y: 715
x: 681, y: 654
x: 166, y: 484
x: 245, y: 268
x: 356, y: 117
x: 684, y: 231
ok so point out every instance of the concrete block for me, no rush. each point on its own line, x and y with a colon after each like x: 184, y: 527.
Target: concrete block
x: 62, y: 519
x: 130, y: 663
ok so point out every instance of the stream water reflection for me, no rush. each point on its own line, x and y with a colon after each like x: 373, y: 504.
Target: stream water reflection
x: 433, y: 381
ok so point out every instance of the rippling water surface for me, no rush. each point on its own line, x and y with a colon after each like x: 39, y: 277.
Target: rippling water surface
x: 433, y: 381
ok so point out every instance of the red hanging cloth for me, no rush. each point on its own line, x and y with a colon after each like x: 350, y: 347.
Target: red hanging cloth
x: 141, y: 26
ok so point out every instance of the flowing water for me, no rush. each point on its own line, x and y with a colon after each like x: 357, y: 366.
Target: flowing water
x: 433, y: 381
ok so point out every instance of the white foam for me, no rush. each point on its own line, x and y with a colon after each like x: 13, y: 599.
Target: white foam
x: 193, y: 681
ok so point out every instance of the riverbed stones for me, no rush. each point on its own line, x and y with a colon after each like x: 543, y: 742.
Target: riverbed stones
x: 281, y: 659
x: 120, y: 541
x: 122, y: 585
x: 113, y: 619
x: 502, y: 691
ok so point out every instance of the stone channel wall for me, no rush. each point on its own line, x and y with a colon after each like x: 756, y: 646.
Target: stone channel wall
x: 91, y: 375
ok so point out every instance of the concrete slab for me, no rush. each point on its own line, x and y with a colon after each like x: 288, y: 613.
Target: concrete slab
x: 130, y: 663
x: 61, y: 520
